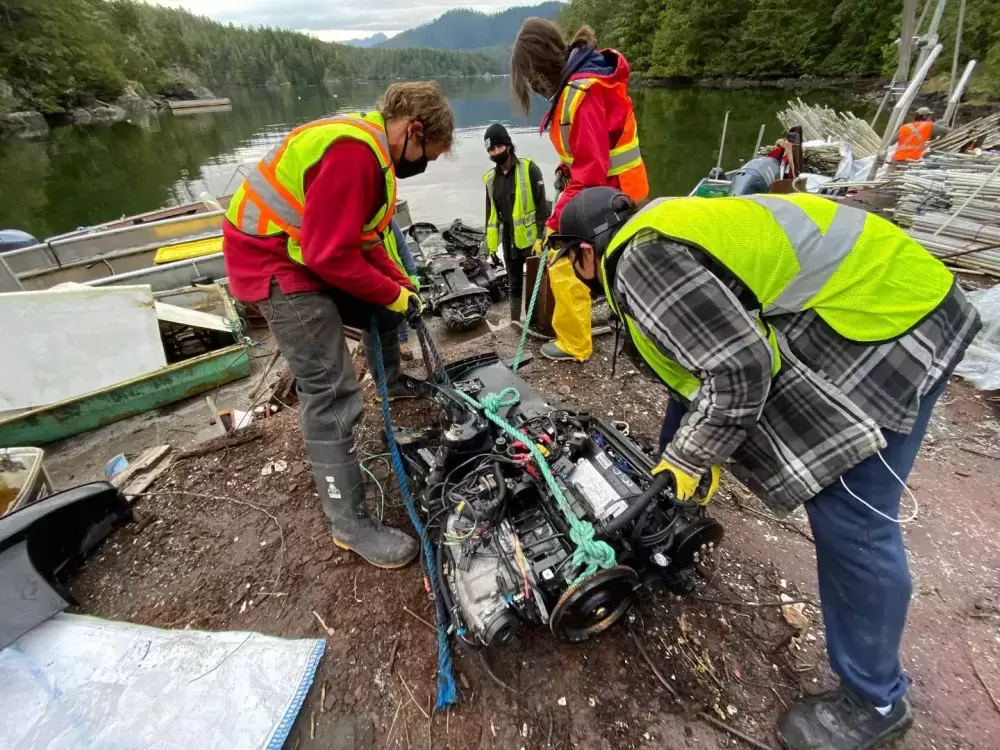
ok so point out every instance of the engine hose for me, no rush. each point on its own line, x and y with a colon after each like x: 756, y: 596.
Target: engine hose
x: 636, y: 506
x: 490, y: 506
x: 449, y: 603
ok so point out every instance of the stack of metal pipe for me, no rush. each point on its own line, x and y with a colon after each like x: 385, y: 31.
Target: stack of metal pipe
x: 950, y: 204
x: 825, y: 124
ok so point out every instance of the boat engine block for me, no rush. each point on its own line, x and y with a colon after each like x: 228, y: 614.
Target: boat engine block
x: 503, y: 543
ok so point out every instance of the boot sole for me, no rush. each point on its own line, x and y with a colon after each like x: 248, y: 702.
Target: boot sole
x: 887, y: 738
x: 567, y: 358
x: 372, y: 563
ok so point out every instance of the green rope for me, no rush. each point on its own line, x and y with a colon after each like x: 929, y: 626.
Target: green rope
x: 531, y: 309
x: 589, y: 552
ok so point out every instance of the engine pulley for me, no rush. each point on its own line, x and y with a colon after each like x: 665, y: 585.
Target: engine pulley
x: 594, y: 604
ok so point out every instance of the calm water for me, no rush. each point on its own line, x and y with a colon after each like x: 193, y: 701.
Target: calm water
x: 79, y: 178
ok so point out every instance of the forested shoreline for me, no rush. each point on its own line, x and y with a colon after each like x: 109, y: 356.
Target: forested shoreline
x: 58, y: 55
x: 773, y: 39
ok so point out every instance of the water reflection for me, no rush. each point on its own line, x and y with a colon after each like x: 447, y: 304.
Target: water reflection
x: 78, y: 178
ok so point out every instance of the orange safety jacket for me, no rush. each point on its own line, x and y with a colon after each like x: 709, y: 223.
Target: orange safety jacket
x: 626, y: 160
x: 913, y: 140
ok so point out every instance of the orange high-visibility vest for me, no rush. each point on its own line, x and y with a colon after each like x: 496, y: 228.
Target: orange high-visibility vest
x: 913, y: 140
x: 626, y: 160
x: 271, y: 199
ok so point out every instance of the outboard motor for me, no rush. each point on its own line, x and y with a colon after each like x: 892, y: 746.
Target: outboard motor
x: 756, y: 176
x: 462, y: 304
x: 15, y: 239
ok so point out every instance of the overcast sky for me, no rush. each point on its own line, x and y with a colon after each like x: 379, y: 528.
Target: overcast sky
x: 335, y: 20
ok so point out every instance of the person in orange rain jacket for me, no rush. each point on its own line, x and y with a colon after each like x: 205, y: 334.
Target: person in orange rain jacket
x: 912, y: 139
x: 591, y: 122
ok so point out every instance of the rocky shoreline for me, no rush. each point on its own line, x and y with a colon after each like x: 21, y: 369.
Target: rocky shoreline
x: 134, y: 103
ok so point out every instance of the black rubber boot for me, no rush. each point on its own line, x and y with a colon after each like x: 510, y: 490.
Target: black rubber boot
x: 515, y: 308
x: 842, y: 720
x: 391, y: 359
x: 342, y: 492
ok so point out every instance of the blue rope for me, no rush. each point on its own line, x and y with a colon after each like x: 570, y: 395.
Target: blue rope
x: 447, y: 692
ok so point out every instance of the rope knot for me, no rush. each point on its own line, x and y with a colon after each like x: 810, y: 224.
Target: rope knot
x: 493, y: 402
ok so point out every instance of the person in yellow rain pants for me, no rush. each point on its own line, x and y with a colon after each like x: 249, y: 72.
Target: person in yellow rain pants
x: 592, y: 126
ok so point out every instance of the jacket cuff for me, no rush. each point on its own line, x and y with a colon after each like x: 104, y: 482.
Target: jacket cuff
x: 671, y: 455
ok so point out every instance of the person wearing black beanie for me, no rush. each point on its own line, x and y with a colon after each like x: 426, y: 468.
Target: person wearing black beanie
x: 516, y: 209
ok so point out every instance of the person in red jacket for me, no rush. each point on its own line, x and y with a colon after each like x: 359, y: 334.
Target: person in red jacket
x: 591, y: 123
x: 308, y: 239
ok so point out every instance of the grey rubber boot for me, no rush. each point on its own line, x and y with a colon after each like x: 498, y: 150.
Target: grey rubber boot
x: 393, y: 368
x: 342, y: 492
x: 515, y: 308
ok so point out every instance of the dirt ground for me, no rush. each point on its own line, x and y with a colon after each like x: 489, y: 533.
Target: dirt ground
x: 218, y: 545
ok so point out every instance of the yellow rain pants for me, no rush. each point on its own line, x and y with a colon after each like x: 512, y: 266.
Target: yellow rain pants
x: 571, y: 317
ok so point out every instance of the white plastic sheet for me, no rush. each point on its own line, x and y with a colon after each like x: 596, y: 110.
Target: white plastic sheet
x: 981, y: 365
x: 81, y: 682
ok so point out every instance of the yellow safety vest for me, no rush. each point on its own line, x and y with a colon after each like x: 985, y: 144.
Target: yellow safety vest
x: 270, y: 201
x: 525, y: 229
x: 865, y: 277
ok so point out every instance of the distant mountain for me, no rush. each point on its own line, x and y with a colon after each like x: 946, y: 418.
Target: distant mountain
x: 372, y: 41
x: 471, y: 29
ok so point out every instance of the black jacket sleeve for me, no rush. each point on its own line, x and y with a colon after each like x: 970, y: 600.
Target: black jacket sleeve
x: 542, y: 208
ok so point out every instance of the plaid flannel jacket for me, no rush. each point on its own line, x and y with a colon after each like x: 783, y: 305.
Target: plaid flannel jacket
x: 792, y: 435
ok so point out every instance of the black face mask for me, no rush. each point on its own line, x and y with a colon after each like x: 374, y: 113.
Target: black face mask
x: 406, y: 168
x: 594, y: 285
x: 500, y: 159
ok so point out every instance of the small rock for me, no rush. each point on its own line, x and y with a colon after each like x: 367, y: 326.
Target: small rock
x: 564, y: 390
x: 23, y: 125
x: 794, y: 614
x: 731, y: 710
x: 592, y: 701
x: 561, y: 701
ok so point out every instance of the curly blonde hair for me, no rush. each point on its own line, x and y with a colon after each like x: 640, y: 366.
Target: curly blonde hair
x: 539, y: 56
x: 424, y: 102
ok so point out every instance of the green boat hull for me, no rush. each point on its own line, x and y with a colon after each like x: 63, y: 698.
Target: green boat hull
x: 126, y: 399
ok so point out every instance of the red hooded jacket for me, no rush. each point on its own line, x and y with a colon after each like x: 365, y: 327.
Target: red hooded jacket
x: 597, y: 125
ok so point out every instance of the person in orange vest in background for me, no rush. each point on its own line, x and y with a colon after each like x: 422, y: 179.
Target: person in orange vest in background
x: 591, y: 122
x: 912, y: 139
x: 308, y: 239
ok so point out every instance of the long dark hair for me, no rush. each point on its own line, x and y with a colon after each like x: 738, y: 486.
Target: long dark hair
x: 538, y: 58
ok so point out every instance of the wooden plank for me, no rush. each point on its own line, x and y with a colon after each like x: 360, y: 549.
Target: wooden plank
x: 142, y: 483
x: 186, y: 317
x: 167, y: 386
x: 146, y: 460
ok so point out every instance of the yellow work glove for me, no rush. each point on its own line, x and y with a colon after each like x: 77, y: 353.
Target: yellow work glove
x: 689, y: 487
x: 406, y: 303
x: 537, y: 249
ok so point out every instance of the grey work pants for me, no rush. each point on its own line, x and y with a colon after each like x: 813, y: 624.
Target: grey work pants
x: 309, y: 330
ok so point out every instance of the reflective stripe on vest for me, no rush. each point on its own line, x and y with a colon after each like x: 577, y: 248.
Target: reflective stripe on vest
x: 270, y: 199
x: 625, y: 159
x: 913, y: 140
x: 525, y: 227
x: 866, y: 278
x: 819, y: 254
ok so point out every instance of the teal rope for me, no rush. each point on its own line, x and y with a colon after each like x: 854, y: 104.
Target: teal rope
x: 531, y: 309
x: 589, y: 553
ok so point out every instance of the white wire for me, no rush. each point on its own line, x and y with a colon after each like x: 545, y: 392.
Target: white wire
x: 899, y: 521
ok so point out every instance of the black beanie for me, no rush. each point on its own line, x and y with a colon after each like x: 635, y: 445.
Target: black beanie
x: 497, y: 135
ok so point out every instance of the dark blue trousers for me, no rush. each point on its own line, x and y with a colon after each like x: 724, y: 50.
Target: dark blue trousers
x: 864, y: 581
